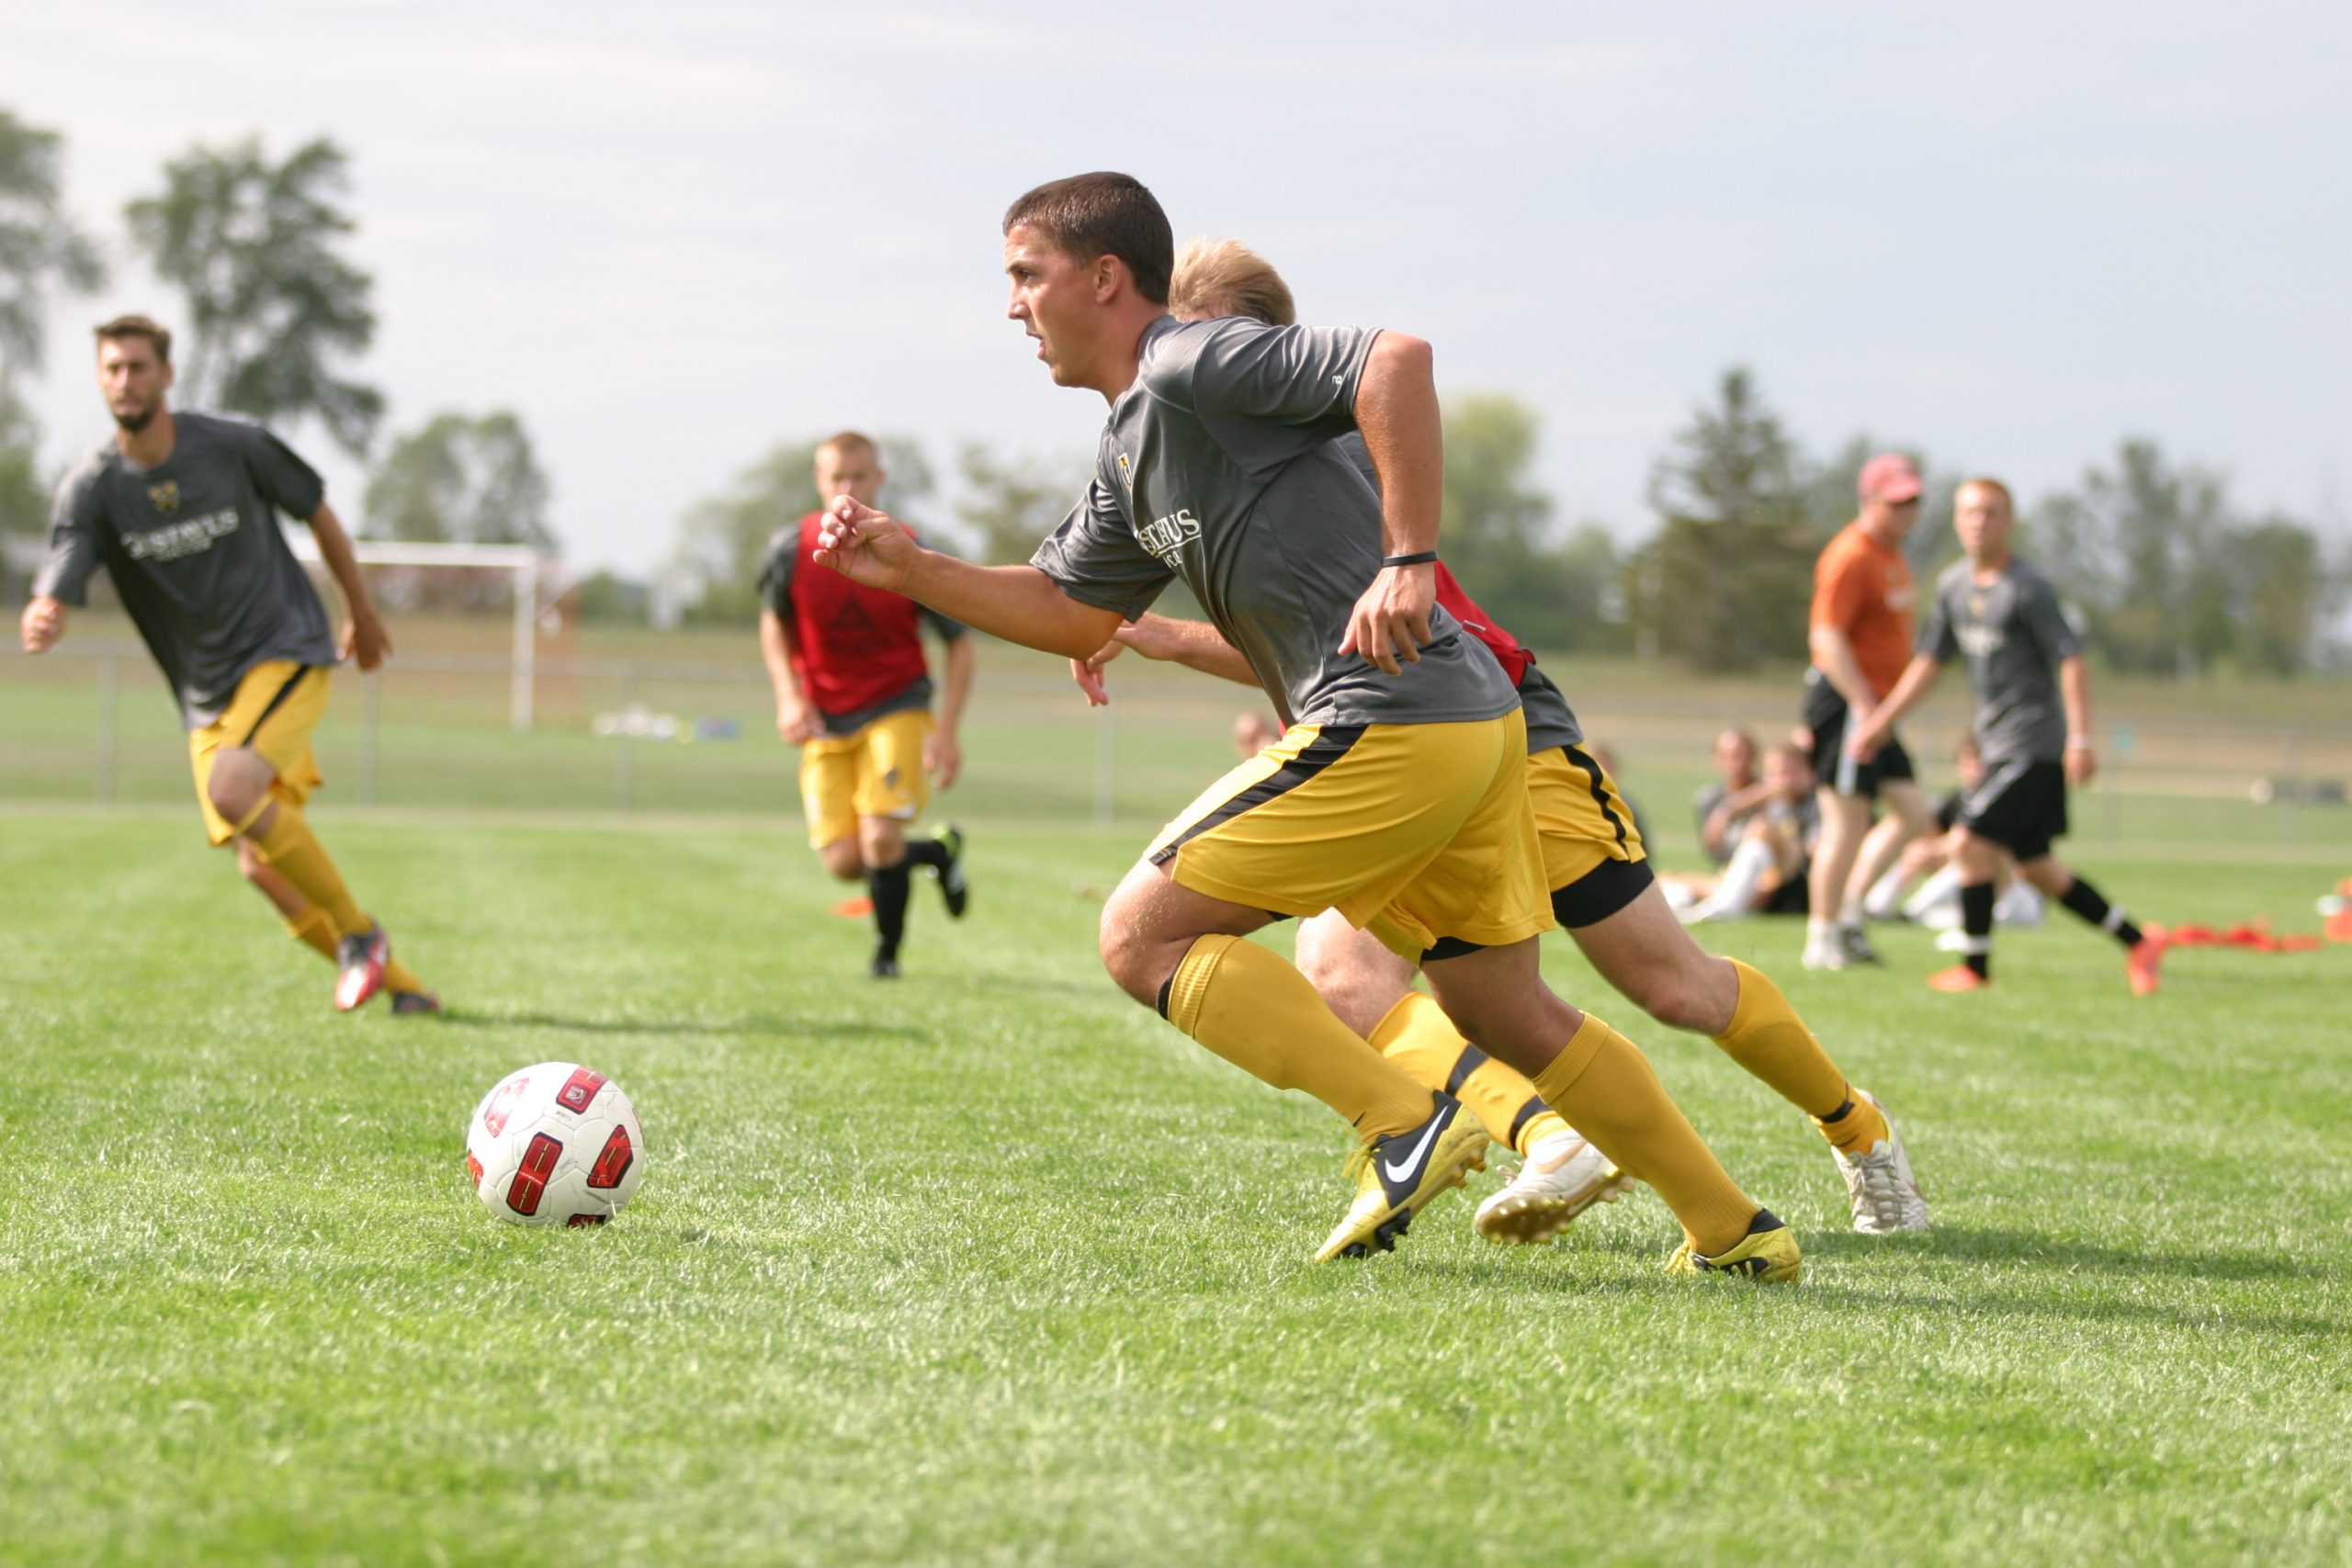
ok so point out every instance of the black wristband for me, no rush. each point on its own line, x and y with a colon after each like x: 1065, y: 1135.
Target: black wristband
x: 1419, y: 557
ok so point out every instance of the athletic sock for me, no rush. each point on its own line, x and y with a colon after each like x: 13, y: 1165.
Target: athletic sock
x: 313, y: 930
x: 2087, y: 902
x: 1734, y: 895
x: 1819, y: 930
x: 887, y: 884
x: 1602, y: 1082
x: 296, y: 854
x: 1849, y: 913
x: 1976, y: 927
x: 1767, y: 1038
x: 1422, y: 1041
x: 1255, y: 1010
x: 927, y: 851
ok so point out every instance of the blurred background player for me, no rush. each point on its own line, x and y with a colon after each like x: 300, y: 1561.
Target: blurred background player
x: 182, y: 511
x: 852, y: 691
x: 1935, y: 904
x: 1861, y: 635
x: 1719, y: 806
x: 2032, y: 689
x: 1603, y: 892
x: 1773, y: 838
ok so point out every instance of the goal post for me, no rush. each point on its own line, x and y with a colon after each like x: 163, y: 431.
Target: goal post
x: 523, y: 564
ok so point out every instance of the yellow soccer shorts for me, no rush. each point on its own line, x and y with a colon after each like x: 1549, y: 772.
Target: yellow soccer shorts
x: 277, y: 706
x: 1423, y: 833
x: 873, y: 772
x: 1593, y: 858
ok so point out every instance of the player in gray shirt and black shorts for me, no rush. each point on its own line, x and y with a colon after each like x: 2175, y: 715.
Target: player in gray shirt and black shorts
x: 1398, y: 794
x: 2032, y: 690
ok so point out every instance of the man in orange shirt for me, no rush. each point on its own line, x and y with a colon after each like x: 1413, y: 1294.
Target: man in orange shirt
x: 1860, y: 640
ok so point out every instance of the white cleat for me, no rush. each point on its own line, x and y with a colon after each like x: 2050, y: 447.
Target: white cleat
x: 1561, y: 1177
x: 1880, y: 1186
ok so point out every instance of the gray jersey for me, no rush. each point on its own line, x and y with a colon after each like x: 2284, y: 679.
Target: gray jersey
x: 1218, y: 466
x: 194, y: 549
x: 2013, y: 635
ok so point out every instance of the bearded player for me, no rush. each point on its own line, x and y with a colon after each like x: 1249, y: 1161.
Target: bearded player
x: 182, y: 510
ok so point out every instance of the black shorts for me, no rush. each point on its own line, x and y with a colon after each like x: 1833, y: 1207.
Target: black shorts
x: 1824, y: 713
x: 2022, y: 806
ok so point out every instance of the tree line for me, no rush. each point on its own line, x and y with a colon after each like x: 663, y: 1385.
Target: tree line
x: 2167, y: 572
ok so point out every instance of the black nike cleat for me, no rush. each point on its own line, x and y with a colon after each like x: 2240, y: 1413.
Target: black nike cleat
x: 952, y: 885
x: 1397, y: 1176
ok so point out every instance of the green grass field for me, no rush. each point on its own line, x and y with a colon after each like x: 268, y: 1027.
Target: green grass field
x: 992, y: 1267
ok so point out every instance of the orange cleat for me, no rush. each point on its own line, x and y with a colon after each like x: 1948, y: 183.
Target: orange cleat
x: 1959, y: 977
x: 2140, y: 965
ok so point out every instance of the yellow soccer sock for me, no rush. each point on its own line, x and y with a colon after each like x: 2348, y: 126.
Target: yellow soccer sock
x: 1602, y: 1082
x: 1417, y: 1036
x: 313, y: 930
x: 1767, y: 1038
x: 398, y: 977
x: 1255, y: 1010
x: 296, y: 854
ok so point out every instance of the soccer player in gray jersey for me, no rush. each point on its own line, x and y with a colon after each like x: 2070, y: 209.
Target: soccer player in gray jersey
x: 182, y: 510
x: 1601, y: 891
x: 2033, y: 727
x: 1399, y: 794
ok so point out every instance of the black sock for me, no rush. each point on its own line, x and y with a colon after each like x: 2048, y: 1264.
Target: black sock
x: 2086, y: 901
x: 1977, y: 924
x: 927, y: 851
x: 889, y: 885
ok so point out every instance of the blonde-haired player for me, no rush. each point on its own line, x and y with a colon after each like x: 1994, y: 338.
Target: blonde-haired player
x: 852, y: 691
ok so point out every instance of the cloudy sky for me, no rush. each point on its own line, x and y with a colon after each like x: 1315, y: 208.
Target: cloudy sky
x: 672, y: 235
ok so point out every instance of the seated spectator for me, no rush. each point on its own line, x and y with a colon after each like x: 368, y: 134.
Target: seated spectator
x: 1766, y: 873
x: 1723, y: 807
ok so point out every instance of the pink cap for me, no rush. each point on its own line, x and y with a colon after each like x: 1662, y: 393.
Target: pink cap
x: 1890, y: 477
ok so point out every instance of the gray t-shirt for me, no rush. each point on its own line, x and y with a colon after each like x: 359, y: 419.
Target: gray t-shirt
x: 194, y: 548
x: 1218, y: 466
x: 2013, y: 634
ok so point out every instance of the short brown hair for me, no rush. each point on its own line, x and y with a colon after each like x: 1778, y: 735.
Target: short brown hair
x: 842, y: 439
x: 2009, y: 501
x: 1226, y: 277
x: 154, y: 332
x: 1103, y: 214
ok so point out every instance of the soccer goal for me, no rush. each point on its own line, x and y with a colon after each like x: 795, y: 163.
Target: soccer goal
x: 526, y: 569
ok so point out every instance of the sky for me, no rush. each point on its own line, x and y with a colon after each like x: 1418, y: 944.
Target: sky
x: 671, y: 237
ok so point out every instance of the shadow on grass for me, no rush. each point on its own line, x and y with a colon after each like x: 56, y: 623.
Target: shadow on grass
x: 1965, y: 1244
x: 774, y: 1028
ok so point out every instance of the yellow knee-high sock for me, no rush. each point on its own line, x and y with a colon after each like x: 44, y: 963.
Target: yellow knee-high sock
x: 313, y: 930
x: 1601, y: 1081
x: 1417, y: 1036
x: 1767, y: 1038
x: 296, y: 854
x: 1256, y: 1011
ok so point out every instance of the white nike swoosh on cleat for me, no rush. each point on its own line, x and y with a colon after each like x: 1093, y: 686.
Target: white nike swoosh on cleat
x: 1395, y: 1172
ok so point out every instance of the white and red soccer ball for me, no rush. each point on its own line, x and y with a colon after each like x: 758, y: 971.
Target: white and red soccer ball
x: 555, y: 1144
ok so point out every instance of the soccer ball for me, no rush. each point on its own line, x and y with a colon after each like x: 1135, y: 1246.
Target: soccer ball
x: 555, y: 1144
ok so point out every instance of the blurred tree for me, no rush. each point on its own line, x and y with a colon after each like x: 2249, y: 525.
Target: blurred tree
x: 1728, y: 578
x: 2283, y: 594
x: 2142, y: 550
x: 24, y: 500
x: 713, y: 568
x: 1010, y: 507
x: 271, y: 305
x: 460, y: 480
x: 607, y: 596
x: 1495, y: 529
x: 40, y: 248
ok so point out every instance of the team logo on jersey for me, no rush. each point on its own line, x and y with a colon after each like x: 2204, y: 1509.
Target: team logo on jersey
x: 166, y: 496
x: 1164, y: 537
x: 1976, y: 604
x: 1126, y: 475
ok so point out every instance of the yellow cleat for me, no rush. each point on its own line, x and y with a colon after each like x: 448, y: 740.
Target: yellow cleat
x: 1397, y: 1175
x: 1767, y: 1253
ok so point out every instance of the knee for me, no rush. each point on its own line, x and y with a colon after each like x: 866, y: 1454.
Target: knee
x: 1138, y: 964
x: 237, y: 783
x: 844, y: 858
x: 1691, y: 994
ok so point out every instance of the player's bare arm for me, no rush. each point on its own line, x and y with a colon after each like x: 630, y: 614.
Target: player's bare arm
x: 1397, y: 413
x: 796, y: 720
x: 943, y: 752
x: 1019, y: 603
x: 1196, y: 645
x: 364, y: 635
x: 1871, y: 732
x: 1833, y: 655
x: 42, y: 623
x: 2075, y: 691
